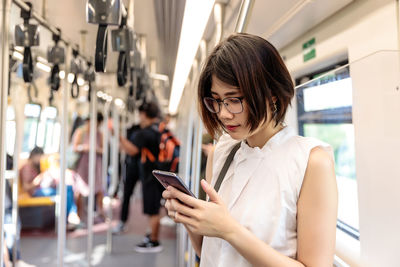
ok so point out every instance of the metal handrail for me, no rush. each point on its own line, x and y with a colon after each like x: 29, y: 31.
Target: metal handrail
x: 21, y: 4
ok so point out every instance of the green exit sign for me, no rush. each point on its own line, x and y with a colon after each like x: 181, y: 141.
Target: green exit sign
x: 309, y: 50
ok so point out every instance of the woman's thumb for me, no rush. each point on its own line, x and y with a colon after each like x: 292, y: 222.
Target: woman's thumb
x: 210, y: 191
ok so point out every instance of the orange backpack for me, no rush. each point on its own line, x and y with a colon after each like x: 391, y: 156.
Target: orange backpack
x: 168, y: 156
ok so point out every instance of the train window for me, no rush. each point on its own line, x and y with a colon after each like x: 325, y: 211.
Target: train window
x: 48, y: 130
x: 32, y: 114
x: 324, y: 111
x: 11, y: 130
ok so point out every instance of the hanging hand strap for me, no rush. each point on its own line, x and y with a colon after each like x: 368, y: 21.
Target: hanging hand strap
x: 225, y: 168
x: 100, y: 58
x: 122, y: 72
x: 27, y: 65
x: 55, y: 78
x: 75, y: 92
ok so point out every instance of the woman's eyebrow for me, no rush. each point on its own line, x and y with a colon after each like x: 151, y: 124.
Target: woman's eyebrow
x: 230, y: 93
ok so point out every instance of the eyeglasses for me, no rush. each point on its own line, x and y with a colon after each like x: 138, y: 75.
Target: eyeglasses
x: 232, y: 104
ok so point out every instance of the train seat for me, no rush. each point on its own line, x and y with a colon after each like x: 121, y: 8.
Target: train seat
x: 35, y: 212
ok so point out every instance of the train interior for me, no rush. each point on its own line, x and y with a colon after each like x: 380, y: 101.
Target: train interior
x: 63, y: 62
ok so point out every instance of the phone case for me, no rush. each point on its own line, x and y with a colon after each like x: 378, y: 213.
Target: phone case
x: 170, y: 178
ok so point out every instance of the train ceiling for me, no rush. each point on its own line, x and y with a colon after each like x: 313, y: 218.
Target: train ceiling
x: 160, y: 20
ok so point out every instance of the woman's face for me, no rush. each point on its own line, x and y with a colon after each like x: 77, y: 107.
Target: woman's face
x: 234, y: 124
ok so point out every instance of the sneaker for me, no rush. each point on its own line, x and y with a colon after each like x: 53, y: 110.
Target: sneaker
x: 21, y: 263
x: 149, y: 247
x: 119, y: 228
x: 146, y: 238
x: 167, y: 221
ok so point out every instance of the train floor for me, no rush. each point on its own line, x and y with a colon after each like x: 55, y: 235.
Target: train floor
x: 40, y: 248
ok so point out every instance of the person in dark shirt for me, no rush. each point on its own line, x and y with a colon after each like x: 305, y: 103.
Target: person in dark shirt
x: 132, y: 165
x: 147, y: 143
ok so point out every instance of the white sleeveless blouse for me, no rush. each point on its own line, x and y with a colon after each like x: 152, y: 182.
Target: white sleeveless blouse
x: 261, y: 189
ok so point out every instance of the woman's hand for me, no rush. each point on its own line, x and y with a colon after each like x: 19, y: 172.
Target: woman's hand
x: 200, y: 217
x: 82, y: 148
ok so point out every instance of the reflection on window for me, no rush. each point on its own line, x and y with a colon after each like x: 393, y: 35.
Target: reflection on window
x: 328, y: 96
x: 32, y: 113
x: 325, y: 112
x: 48, y: 138
x: 32, y: 110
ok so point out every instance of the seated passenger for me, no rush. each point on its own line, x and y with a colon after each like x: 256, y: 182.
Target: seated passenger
x: 44, y: 184
x: 29, y: 172
x: 74, y: 182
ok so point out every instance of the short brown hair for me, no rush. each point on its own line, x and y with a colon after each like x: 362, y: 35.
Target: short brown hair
x: 253, y: 65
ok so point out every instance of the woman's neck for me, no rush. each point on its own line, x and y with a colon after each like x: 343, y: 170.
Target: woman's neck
x: 263, y: 134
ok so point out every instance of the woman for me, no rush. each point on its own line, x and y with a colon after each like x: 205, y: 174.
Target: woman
x: 81, y: 144
x: 277, y: 205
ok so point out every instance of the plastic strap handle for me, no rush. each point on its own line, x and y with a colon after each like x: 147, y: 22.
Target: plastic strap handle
x: 55, y: 78
x: 122, y: 73
x: 27, y: 65
x: 101, y: 49
x: 75, y: 93
x: 225, y: 168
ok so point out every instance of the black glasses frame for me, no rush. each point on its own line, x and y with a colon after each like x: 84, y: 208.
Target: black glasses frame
x: 219, y: 101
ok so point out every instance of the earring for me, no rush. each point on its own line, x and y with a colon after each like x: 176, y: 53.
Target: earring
x: 275, y: 112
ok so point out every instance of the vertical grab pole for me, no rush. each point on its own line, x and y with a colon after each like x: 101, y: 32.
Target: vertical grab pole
x: 17, y: 151
x: 196, y: 153
x: 106, y: 138
x: 184, y: 239
x: 114, y: 166
x: 62, y: 205
x: 92, y: 171
x: 4, y: 48
x: 105, y: 145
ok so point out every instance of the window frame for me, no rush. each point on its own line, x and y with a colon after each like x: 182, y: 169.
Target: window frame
x: 338, y: 115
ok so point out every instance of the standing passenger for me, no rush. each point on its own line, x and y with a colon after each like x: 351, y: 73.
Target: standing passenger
x: 277, y: 205
x: 81, y: 144
x: 147, y: 141
x: 131, y: 177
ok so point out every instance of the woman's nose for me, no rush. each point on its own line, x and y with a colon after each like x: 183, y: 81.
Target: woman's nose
x: 224, y: 113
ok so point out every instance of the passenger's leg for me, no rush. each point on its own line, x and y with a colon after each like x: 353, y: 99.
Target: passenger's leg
x: 155, y: 227
x: 72, y: 210
x: 151, y: 207
x: 99, y: 203
x: 45, y: 192
x: 129, y: 186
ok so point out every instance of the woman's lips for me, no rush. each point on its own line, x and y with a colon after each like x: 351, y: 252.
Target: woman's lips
x: 231, y: 128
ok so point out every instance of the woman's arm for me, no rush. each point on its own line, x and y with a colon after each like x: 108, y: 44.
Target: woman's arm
x: 76, y: 141
x: 317, y: 211
x: 6, y: 257
x: 25, y: 177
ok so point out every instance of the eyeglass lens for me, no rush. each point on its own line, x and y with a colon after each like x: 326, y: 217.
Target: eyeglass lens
x: 232, y: 104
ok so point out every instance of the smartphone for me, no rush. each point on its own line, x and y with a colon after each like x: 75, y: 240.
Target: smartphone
x: 170, y: 178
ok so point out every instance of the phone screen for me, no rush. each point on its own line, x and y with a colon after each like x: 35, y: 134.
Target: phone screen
x: 170, y: 178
